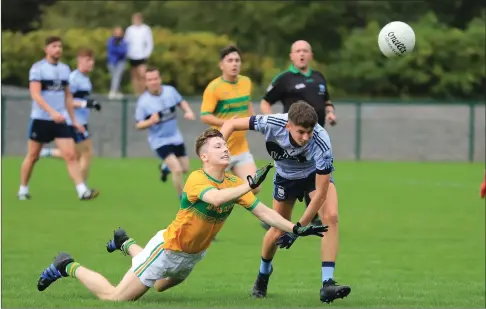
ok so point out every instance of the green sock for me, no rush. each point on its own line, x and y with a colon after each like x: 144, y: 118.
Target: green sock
x: 71, y: 269
x: 126, y: 245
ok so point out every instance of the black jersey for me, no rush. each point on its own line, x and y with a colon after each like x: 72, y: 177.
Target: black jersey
x: 291, y: 86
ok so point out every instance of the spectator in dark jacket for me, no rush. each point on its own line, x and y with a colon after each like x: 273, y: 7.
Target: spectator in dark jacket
x: 116, y: 57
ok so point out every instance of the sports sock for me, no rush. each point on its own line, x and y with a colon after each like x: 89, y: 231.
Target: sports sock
x: 71, y: 269
x: 328, y: 270
x: 23, y: 190
x: 126, y: 245
x: 81, y: 188
x: 265, y: 266
x: 45, y: 152
x: 165, y: 168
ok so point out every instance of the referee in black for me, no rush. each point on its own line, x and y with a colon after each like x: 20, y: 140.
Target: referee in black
x: 300, y: 82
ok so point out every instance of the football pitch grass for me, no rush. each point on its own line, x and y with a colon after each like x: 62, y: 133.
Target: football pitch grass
x: 411, y: 235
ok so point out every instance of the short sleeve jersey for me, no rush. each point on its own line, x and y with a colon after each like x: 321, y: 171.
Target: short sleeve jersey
x: 225, y: 100
x: 198, y: 222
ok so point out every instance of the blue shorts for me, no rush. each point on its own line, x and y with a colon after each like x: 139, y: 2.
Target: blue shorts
x: 166, y: 150
x: 287, y: 189
x: 45, y: 131
x: 79, y: 137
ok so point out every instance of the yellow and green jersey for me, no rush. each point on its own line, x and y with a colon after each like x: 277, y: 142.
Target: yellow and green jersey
x: 225, y: 100
x: 198, y: 222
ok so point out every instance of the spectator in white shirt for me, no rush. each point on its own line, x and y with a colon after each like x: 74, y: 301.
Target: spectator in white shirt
x: 140, y: 45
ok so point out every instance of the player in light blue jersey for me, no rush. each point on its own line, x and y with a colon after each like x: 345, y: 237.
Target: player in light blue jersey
x: 51, y: 102
x: 303, y: 158
x: 81, y: 88
x: 156, y: 111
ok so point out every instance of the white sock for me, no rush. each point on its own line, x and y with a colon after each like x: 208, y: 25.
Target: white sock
x: 81, y: 188
x: 23, y: 190
x: 45, y: 152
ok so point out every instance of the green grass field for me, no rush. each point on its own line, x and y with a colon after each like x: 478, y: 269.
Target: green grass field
x: 412, y: 235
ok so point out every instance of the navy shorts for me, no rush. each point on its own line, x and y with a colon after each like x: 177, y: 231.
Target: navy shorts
x: 79, y: 137
x: 45, y: 131
x: 286, y: 189
x: 166, y: 150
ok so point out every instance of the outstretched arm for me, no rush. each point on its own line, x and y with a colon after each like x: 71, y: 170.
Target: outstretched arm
x: 274, y: 219
x: 218, y: 197
x: 239, y: 124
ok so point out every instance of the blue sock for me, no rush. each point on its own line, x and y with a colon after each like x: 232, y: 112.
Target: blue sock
x: 265, y: 266
x: 165, y: 168
x: 328, y: 270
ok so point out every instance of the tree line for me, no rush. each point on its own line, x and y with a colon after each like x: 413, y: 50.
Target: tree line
x: 448, y: 61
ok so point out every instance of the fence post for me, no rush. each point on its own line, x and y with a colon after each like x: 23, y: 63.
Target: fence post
x: 357, y: 142
x: 124, y: 128
x: 472, y: 127
x: 3, y: 108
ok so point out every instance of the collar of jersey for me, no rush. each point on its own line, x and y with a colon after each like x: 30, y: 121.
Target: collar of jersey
x: 213, y: 179
x: 294, y: 70
x: 227, y: 81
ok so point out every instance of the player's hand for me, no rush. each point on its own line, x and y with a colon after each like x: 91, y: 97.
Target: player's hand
x: 80, y: 128
x: 256, y: 180
x: 483, y: 189
x: 190, y: 115
x: 286, y: 240
x: 331, y: 118
x: 57, y: 117
x: 315, y: 230
x: 155, y: 118
x: 90, y: 103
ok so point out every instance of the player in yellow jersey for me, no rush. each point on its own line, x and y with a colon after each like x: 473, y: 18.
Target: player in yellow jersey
x: 208, y: 199
x: 226, y: 97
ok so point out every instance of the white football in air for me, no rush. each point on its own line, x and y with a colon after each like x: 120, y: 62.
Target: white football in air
x: 396, y: 39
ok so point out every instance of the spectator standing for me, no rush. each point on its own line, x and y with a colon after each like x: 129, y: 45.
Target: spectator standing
x: 116, y: 58
x: 140, y: 45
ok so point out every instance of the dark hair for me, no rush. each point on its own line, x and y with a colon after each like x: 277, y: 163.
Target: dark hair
x: 228, y: 50
x: 302, y: 114
x: 52, y: 39
x: 205, y: 136
x: 151, y: 69
x: 85, y: 52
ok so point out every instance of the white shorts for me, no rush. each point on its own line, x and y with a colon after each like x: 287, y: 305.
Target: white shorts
x: 155, y: 263
x: 241, y: 159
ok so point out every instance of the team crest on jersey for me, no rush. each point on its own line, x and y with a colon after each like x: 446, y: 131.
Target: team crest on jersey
x: 278, y: 153
x: 322, y: 89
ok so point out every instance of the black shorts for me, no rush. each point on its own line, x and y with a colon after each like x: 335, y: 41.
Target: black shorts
x: 166, y: 150
x: 45, y: 131
x: 287, y: 189
x: 136, y: 62
x: 79, y: 137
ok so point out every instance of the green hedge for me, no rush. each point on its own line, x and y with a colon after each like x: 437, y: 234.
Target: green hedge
x: 447, y: 63
x: 188, y: 61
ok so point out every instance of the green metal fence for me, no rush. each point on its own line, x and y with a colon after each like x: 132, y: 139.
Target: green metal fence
x: 376, y: 129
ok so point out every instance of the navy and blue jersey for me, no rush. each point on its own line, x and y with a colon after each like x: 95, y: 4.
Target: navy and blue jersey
x: 294, y: 162
x: 54, y: 78
x: 166, y: 132
x: 80, y: 87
